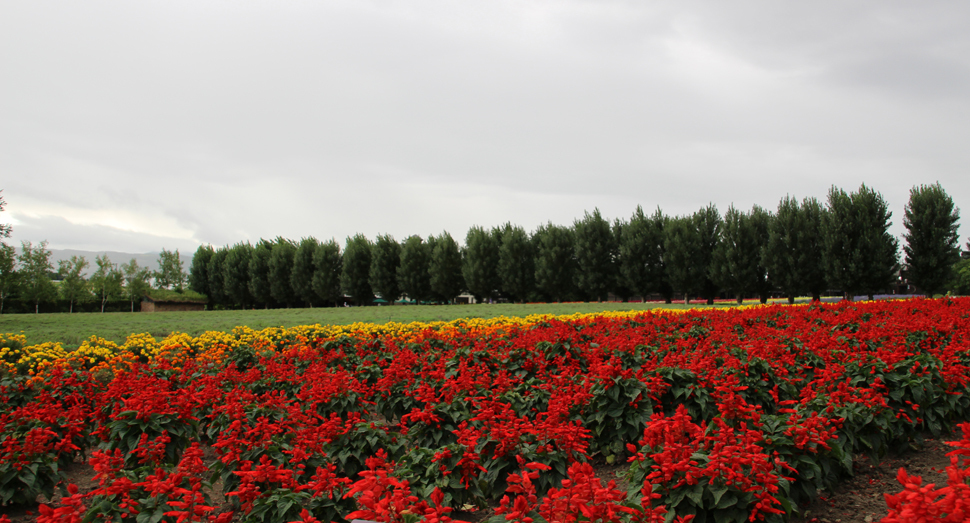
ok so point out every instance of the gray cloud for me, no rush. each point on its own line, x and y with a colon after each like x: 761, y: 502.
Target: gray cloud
x: 217, y: 122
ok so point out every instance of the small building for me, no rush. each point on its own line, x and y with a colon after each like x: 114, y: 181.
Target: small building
x: 171, y: 301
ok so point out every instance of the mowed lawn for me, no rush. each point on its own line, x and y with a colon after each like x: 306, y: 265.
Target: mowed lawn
x: 71, y: 329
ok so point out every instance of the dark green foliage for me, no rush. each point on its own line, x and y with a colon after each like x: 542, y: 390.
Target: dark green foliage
x: 235, y: 275
x: 555, y: 261
x: 280, y: 271
x: 445, y: 268
x: 641, y: 249
x: 385, y: 260
x: 760, y: 223
x: 708, y: 224
x: 301, y: 277
x: 328, y: 265
x: 259, y: 287
x: 216, y: 273
x: 861, y: 255
x: 737, y: 264
x: 355, y: 278
x: 794, y: 254
x: 812, y: 259
x: 620, y: 286
x: 199, y: 271
x: 690, y: 242
x: 932, y: 245
x: 516, y: 263
x: 413, y: 274
x: 480, y: 262
x: 594, y: 246
x: 681, y: 244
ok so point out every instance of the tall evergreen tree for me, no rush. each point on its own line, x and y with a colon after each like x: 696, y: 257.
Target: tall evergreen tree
x: 106, y: 282
x: 794, y: 253
x: 74, y: 286
x: 480, y: 263
x: 861, y: 255
x: 811, y: 259
x: 355, y: 278
x: 385, y: 260
x: 35, y: 270
x: 708, y: 223
x: 445, y: 268
x: 136, y: 281
x: 932, y: 244
x: 235, y: 275
x: 414, y: 273
x: 594, y: 249
x: 199, y: 270
x: 259, y: 279
x: 641, y: 247
x: 280, y: 270
x: 761, y: 220
x: 328, y: 266
x: 555, y: 261
x: 737, y: 264
x: 216, y: 273
x: 301, y: 279
x: 681, y: 244
x: 621, y: 288
x: 516, y: 264
x: 690, y: 242
x: 9, y: 277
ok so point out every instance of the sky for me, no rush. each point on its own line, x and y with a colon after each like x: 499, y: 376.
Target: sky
x: 136, y: 126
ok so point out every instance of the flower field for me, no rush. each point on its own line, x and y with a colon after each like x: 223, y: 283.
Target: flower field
x: 717, y: 415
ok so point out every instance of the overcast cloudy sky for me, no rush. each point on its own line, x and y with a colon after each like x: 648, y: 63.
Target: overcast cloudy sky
x: 133, y: 126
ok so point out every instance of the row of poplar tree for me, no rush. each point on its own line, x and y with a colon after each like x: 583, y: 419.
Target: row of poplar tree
x: 803, y: 248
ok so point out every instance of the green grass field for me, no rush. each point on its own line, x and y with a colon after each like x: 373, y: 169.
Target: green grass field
x: 72, y: 329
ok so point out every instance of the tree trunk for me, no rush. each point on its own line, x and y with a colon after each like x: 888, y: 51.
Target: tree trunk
x: 870, y: 296
x: 70, y: 309
x: 36, y: 307
x: 791, y: 299
x: 103, y: 300
x: 710, y: 301
x: 816, y: 296
x: 740, y: 299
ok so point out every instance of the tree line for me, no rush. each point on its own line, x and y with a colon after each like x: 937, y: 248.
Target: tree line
x: 802, y: 248
x: 31, y: 278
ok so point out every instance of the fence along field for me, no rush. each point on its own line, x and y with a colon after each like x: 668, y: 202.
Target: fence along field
x: 720, y: 415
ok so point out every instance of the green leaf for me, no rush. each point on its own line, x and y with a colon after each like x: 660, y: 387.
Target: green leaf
x: 718, y: 493
x: 696, y: 495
